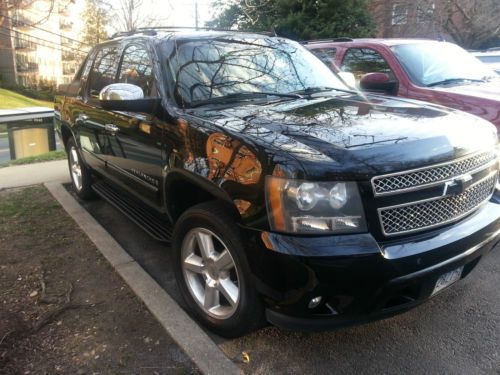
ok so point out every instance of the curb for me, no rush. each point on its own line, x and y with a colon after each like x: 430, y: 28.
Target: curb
x: 184, y: 331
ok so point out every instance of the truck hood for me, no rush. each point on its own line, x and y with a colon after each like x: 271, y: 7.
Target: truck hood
x: 360, y: 136
x: 487, y: 90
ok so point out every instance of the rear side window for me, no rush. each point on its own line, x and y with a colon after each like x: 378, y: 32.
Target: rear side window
x: 327, y: 56
x: 103, y: 71
x: 137, y: 69
x: 361, y: 61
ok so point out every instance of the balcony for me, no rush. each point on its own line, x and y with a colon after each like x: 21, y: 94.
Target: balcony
x: 27, y: 67
x: 65, y: 42
x: 21, y: 22
x: 69, y: 71
x: 63, y: 11
x: 65, y: 26
x: 23, y: 46
x: 68, y: 56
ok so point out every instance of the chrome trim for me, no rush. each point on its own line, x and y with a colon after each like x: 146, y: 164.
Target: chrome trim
x: 379, y: 210
x: 132, y: 176
x: 431, y: 184
x: 450, y: 260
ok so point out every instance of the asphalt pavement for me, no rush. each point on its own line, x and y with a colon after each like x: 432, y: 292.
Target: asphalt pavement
x: 456, y: 332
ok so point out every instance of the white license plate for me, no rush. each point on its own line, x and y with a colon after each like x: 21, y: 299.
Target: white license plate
x: 447, y: 279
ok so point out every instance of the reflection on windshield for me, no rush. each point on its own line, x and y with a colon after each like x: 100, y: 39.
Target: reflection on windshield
x: 222, y: 67
x: 434, y: 62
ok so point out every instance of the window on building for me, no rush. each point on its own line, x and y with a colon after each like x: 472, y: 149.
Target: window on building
x: 425, y: 12
x: 361, y: 61
x: 399, y: 14
x: 137, y: 69
x: 327, y: 56
x: 103, y: 71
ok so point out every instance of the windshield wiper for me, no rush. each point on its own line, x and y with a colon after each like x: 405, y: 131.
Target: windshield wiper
x: 318, y: 89
x: 230, y: 98
x: 453, y: 80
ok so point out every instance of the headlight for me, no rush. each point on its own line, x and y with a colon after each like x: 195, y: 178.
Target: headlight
x: 298, y: 206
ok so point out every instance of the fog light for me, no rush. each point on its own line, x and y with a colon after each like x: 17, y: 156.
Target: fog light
x: 313, y: 303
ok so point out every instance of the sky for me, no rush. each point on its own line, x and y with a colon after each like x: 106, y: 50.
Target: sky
x: 175, y: 12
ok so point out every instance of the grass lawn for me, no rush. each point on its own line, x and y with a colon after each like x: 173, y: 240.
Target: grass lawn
x: 63, y: 309
x: 10, y: 99
x: 51, y: 155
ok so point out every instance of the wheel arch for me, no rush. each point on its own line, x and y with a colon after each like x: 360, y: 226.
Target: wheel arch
x: 183, y: 189
x: 66, y: 134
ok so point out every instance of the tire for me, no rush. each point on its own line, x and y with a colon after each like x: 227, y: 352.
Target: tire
x: 207, y: 279
x: 81, y: 177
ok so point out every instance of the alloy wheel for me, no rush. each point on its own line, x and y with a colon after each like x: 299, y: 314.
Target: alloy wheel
x: 75, y: 168
x: 210, y: 273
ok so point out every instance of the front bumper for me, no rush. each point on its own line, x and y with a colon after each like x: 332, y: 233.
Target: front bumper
x: 358, y: 278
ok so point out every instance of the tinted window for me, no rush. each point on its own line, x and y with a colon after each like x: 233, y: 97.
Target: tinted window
x: 361, y: 61
x: 137, y: 69
x: 103, y: 71
x: 327, y: 55
x: 230, y: 66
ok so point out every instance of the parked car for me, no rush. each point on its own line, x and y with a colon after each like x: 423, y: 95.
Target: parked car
x: 432, y: 71
x: 490, y: 57
x: 292, y: 198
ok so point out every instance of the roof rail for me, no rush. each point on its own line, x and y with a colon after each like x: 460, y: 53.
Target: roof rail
x: 153, y: 30
x: 341, y: 39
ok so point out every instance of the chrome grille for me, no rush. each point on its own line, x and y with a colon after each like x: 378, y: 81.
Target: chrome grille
x: 408, y: 180
x: 422, y: 215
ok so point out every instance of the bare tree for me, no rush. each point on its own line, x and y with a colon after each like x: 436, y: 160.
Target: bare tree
x: 8, y: 6
x: 131, y: 14
x: 470, y: 23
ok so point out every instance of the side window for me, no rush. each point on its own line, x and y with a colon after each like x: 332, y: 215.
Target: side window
x: 137, y: 69
x: 103, y: 71
x: 361, y: 61
x: 327, y: 56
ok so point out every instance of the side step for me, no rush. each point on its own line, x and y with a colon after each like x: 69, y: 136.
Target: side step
x: 151, y: 222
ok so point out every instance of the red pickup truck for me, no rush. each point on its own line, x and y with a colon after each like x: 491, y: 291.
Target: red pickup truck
x: 432, y: 71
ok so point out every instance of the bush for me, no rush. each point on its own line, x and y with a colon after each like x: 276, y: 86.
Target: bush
x: 42, y: 90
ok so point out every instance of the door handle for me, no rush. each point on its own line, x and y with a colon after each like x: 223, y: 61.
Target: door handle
x: 81, y: 119
x: 112, y: 128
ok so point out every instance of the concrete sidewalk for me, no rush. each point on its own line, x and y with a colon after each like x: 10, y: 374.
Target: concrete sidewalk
x: 37, y: 173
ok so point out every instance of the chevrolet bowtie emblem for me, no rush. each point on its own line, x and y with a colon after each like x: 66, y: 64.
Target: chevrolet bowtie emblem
x: 457, y: 185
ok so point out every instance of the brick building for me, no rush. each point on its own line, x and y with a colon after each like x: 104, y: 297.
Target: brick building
x: 405, y: 18
x: 469, y: 23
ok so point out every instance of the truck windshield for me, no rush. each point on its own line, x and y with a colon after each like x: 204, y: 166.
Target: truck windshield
x: 434, y: 63
x: 225, y: 67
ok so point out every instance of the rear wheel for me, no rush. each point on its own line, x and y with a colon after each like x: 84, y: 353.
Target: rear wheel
x: 81, y: 176
x: 212, y: 270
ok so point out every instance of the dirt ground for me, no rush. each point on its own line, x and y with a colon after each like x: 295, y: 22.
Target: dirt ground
x: 62, y: 307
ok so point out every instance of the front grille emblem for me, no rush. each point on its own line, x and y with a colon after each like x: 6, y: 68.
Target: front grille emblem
x: 458, y: 185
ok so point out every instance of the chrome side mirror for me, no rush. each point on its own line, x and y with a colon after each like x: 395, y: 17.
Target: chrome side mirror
x: 121, y: 91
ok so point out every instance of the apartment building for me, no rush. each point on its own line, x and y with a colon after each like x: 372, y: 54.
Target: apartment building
x: 39, y: 42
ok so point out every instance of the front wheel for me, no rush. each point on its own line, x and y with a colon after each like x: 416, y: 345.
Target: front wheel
x: 212, y: 270
x: 81, y: 176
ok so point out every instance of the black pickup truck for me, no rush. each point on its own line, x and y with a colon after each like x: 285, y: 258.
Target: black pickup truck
x: 285, y: 196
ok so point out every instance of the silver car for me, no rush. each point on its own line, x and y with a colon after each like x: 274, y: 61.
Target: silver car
x: 491, y: 57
